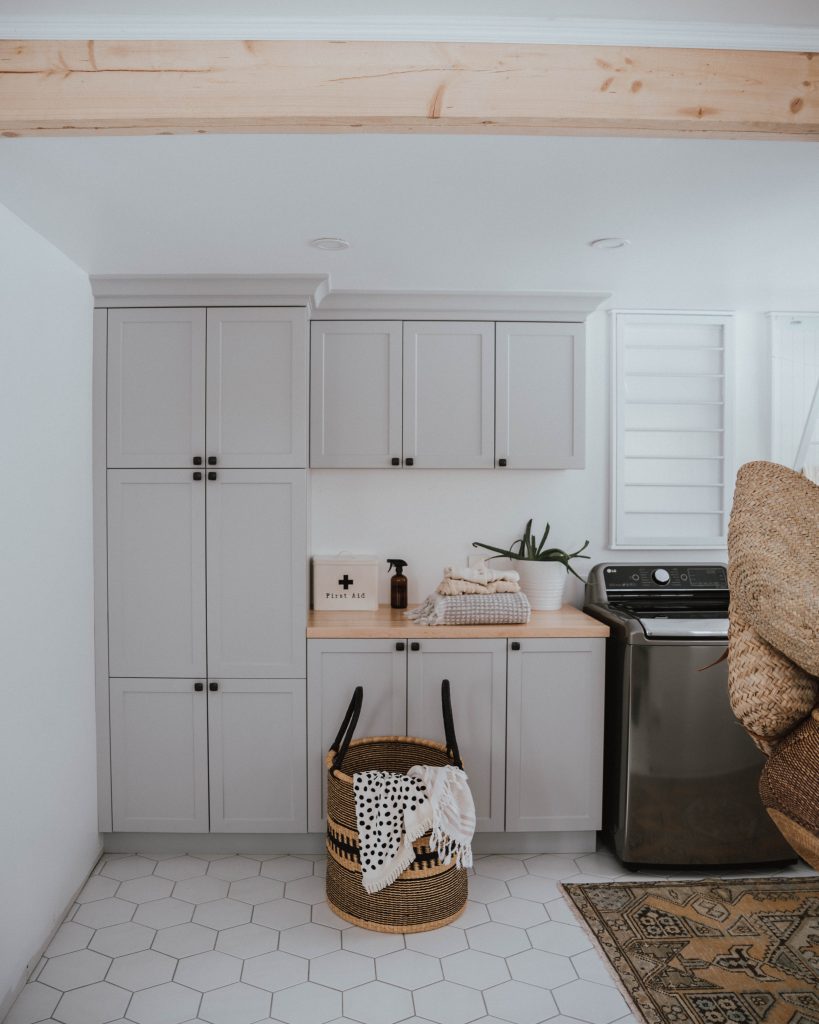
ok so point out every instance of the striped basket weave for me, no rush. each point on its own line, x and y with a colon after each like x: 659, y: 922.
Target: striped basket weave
x: 428, y: 894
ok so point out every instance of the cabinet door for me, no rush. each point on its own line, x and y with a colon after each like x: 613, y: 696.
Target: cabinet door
x: 257, y: 573
x: 257, y: 387
x: 156, y: 573
x: 476, y: 670
x: 355, y: 393
x: 554, y: 764
x: 334, y: 669
x: 156, y: 387
x: 159, y: 755
x: 540, y: 395
x: 449, y: 394
x: 256, y: 729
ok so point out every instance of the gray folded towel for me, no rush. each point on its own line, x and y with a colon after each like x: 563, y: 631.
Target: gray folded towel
x: 472, y: 610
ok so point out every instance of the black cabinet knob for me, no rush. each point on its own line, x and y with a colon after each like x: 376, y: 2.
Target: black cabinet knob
x: 409, y: 462
x: 395, y: 461
x: 213, y: 687
x: 211, y: 460
x: 199, y: 687
x: 197, y: 460
x: 501, y: 462
x: 197, y: 476
x: 211, y: 476
x: 400, y: 647
x: 415, y: 646
x: 515, y: 645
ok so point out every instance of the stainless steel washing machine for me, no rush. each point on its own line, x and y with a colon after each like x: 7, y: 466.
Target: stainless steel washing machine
x: 681, y: 775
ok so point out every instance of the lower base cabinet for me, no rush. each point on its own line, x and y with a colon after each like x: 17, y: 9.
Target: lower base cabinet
x: 196, y: 756
x: 554, y: 738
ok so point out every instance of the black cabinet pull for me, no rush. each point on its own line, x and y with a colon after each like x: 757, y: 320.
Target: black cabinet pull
x: 197, y: 476
x: 211, y: 460
x: 501, y: 462
x: 197, y: 460
x: 400, y: 647
x: 410, y: 462
x: 395, y: 460
x: 211, y: 476
x: 414, y: 646
x: 199, y: 687
x: 515, y: 645
x: 213, y: 687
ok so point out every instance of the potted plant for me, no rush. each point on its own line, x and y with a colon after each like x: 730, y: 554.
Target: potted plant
x: 543, y: 571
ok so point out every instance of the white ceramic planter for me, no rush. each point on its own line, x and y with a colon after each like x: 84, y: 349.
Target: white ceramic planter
x: 543, y: 583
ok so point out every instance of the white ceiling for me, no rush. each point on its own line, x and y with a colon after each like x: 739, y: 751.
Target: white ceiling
x: 713, y: 224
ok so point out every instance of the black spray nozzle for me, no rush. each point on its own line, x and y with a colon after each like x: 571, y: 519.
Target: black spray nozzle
x: 397, y: 564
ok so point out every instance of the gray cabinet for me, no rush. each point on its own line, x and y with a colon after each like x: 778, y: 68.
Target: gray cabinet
x: 256, y: 573
x: 476, y: 670
x: 355, y: 407
x: 229, y: 386
x: 159, y: 755
x: 156, y: 573
x: 334, y: 669
x: 256, y: 745
x: 554, y: 761
x: 540, y: 395
x: 449, y: 401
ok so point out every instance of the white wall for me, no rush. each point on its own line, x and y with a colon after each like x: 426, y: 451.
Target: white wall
x: 47, y: 740
x: 430, y: 517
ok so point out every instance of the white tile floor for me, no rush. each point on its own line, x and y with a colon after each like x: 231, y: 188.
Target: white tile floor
x: 243, y: 939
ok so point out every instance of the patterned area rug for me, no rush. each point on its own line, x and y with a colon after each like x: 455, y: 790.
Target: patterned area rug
x: 712, y: 951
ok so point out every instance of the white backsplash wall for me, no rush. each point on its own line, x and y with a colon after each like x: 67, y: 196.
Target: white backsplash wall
x: 430, y: 517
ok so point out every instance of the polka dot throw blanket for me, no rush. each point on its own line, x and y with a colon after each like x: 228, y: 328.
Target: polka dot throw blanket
x: 393, y: 810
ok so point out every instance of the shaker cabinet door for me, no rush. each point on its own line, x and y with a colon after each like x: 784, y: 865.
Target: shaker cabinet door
x: 555, y: 736
x: 257, y: 387
x: 334, y: 669
x: 256, y: 730
x: 257, y: 573
x: 156, y: 387
x: 156, y: 573
x: 449, y: 394
x: 476, y: 670
x: 540, y: 395
x: 159, y: 755
x: 355, y: 394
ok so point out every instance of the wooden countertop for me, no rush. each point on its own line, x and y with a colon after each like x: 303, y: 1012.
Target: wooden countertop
x: 387, y: 623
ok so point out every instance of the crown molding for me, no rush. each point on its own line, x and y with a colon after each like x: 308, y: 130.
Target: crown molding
x: 209, y: 289
x: 568, y: 31
x: 563, y: 307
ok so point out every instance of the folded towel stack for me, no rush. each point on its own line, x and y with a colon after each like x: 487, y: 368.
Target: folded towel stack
x: 474, y: 596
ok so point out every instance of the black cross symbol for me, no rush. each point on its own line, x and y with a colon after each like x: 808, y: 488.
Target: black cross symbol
x: 345, y: 582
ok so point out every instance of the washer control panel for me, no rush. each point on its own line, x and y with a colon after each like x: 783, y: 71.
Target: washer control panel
x: 619, y: 578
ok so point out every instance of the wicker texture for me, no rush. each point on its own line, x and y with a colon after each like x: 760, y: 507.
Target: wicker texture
x: 769, y: 694
x: 789, y: 788
x: 773, y: 568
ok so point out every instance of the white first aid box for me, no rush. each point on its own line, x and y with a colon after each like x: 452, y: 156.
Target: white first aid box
x: 345, y: 582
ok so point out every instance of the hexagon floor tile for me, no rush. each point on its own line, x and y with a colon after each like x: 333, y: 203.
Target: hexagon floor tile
x: 243, y: 938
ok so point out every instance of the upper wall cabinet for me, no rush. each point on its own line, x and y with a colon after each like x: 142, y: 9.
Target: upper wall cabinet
x: 540, y: 396
x: 449, y: 402
x: 251, y: 414
x: 447, y: 394
x: 355, y: 390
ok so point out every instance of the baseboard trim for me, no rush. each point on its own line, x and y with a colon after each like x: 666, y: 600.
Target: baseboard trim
x: 211, y: 842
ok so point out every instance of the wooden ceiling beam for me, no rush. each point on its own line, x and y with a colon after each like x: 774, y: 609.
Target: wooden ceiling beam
x: 185, y: 86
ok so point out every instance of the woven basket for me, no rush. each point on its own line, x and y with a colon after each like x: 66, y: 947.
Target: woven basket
x: 790, y: 792
x: 428, y: 894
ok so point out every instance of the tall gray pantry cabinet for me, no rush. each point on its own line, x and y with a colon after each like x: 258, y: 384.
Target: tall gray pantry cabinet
x: 205, y: 510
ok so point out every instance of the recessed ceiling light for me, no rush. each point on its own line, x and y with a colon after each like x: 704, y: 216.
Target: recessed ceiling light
x: 331, y: 244
x: 609, y: 243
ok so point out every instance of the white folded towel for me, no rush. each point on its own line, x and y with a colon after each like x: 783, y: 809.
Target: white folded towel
x: 480, y: 573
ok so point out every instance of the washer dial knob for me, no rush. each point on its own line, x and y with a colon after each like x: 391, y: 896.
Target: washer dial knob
x: 661, y: 576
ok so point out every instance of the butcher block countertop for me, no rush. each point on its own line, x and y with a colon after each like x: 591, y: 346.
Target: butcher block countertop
x: 387, y: 623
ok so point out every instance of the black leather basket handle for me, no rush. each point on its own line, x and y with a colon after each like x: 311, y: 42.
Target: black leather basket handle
x: 345, y: 733
x: 449, y: 725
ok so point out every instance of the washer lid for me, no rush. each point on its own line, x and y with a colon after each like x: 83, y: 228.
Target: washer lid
x: 714, y: 629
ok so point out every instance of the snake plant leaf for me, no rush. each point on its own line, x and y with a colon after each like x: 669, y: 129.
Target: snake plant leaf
x: 506, y: 552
